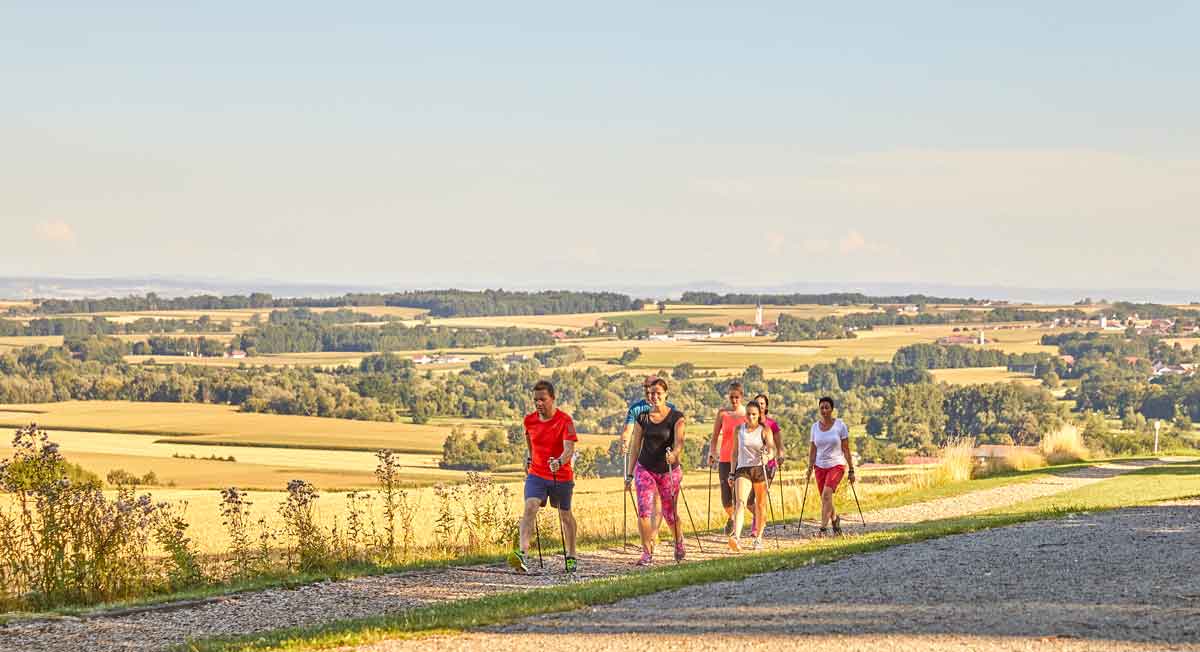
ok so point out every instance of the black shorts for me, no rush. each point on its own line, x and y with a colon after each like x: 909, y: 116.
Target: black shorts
x: 754, y: 474
x: 724, y: 469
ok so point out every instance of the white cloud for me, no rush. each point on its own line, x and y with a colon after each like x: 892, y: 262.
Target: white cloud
x: 55, y: 231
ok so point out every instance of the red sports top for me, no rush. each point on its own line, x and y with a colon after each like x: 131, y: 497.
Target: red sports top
x: 546, y: 440
x: 730, y: 420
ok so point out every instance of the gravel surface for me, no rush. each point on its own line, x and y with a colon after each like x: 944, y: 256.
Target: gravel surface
x: 1122, y: 580
x: 160, y: 627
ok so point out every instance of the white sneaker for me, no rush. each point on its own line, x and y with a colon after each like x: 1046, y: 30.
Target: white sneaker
x: 758, y: 544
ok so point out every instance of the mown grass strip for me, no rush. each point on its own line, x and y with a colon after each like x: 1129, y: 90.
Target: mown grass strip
x: 1141, y: 487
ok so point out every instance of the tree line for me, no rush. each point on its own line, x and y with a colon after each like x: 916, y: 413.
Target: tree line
x: 305, y: 336
x: 833, y: 327
x: 438, y: 303
x: 78, y: 327
x: 825, y: 299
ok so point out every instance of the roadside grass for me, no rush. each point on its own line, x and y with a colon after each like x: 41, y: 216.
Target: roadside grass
x: 1141, y: 487
x: 206, y: 530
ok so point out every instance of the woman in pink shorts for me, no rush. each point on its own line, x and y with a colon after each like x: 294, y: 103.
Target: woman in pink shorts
x: 829, y: 458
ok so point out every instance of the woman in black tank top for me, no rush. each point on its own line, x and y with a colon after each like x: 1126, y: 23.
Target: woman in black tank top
x: 658, y: 442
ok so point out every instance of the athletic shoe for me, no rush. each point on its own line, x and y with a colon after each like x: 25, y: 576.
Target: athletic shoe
x: 837, y: 524
x: 734, y: 544
x: 729, y: 527
x: 680, y: 551
x: 823, y: 532
x: 572, y: 565
x: 517, y: 560
x: 758, y: 544
x: 646, y: 559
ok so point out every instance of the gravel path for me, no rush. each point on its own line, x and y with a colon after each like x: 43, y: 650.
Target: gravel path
x: 1122, y: 580
x: 160, y: 627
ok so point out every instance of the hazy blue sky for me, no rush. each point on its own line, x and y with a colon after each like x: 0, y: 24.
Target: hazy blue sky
x: 1054, y: 144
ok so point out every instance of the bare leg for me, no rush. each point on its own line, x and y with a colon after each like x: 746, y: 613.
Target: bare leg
x: 528, y: 518
x: 570, y: 527
x: 760, y: 507
x: 826, y: 506
x: 741, y: 490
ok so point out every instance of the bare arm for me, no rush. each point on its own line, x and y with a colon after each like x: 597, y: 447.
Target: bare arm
x: 568, y: 452
x: 635, y: 448
x: 713, y: 455
x: 777, y: 435
x: 628, y: 430
x: 812, y: 457
x: 528, y: 451
x: 849, y: 459
x: 677, y: 445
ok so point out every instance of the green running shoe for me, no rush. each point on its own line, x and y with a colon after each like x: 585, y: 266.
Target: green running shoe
x: 517, y: 560
x: 572, y: 565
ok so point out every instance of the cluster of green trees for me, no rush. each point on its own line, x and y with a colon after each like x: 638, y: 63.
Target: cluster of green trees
x: 152, y: 301
x: 846, y: 375
x: 74, y: 327
x: 165, y: 345
x: 954, y: 356
x: 439, y: 303
x: 826, y: 299
x: 462, y: 303
x: 795, y: 329
x: 560, y: 356
x: 304, y: 336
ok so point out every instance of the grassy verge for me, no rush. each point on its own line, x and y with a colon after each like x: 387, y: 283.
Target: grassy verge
x: 1142, y: 487
x: 367, y: 570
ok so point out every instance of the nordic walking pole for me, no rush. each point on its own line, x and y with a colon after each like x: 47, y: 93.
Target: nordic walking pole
x: 561, y: 534
x: 858, y: 504
x: 782, y: 504
x: 678, y: 493
x: 538, y: 529
x: 771, y: 505
x: 624, y: 510
x: 807, y: 480
x: 708, y: 523
x: 693, y: 521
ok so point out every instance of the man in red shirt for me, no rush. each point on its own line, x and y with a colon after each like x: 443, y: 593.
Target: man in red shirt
x: 550, y: 436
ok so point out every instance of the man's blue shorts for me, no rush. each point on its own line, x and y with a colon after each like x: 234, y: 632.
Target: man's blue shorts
x: 558, y: 493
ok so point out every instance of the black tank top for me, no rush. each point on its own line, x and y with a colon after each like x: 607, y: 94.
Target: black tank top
x: 656, y: 438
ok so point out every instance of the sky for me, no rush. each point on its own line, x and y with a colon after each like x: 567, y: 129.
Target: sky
x: 564, y: 144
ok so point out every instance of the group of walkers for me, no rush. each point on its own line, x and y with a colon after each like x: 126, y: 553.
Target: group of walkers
x: 746, y: 448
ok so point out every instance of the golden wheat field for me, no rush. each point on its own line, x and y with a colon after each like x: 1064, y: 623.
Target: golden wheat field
x: 269, y: 449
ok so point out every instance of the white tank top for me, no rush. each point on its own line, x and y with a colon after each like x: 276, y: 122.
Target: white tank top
x: 750, y: 446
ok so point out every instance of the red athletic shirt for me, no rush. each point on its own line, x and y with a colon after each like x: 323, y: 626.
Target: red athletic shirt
x: 546, y: 440
x: 730, y: 420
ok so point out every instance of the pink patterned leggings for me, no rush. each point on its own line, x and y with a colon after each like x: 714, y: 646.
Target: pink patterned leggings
x: 666, y: 484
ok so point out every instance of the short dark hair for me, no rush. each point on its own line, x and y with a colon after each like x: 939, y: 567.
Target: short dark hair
x: 658, y: 381
x: 546, y: 385
x: 767, y: 402
x: 824, y: 399
x: 755, y: 405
